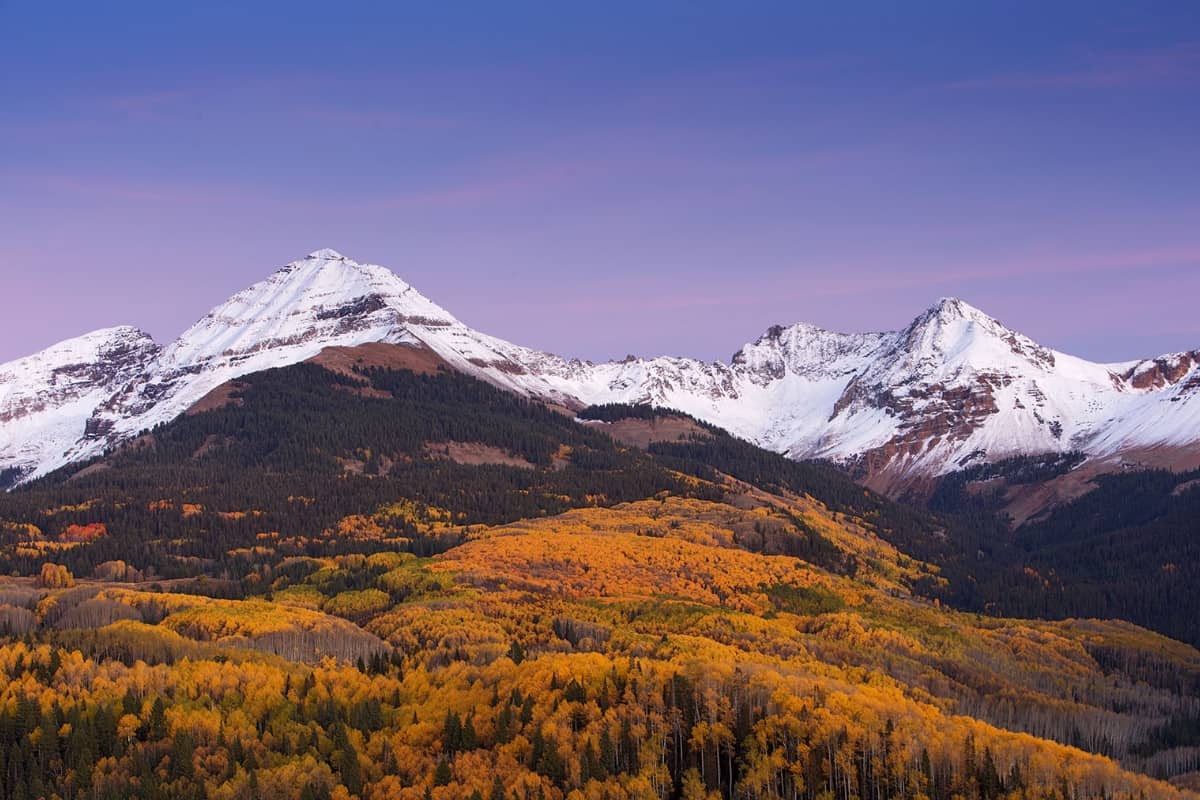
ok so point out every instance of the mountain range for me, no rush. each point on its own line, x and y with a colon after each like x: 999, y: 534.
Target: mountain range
x: 952, y: 390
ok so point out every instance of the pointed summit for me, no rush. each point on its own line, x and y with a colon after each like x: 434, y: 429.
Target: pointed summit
x: 952, y: 316
x: 326, y: 254
x: 952, y: 334
x: 316, y: 260
x: 322, y: 299
x: 952, y: 308
x: 949, y: 305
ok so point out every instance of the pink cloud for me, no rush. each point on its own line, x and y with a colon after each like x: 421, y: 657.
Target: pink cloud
x: 492, y: 185
x: 147, y: 101
x: 116, y: 189
x: 842, y: 279
x: 1035, y: 263
x: 377, y: 118
x: 1106, y: 71
x: 120, y: 189
x: 608, y: 155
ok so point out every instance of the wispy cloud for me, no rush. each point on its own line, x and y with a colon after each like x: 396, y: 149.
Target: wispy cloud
x: 807, y: 278
x: 1109, y: 70
x: 117, y: 190
x: 377, y: 117
x: 1053, y: 262
x: 626, y: 158
x: 144, y: 102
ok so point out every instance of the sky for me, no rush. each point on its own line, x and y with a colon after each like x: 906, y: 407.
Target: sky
x: 598, y: 179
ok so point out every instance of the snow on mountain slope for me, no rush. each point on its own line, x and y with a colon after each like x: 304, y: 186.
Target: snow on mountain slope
x: 1163, y: 411
x: 47, y: 398
x: 957, y: 387
x: 322, y: 300
x: 952, y: 388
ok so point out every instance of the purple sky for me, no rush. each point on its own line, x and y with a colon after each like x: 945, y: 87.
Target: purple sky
x: 607, y: 179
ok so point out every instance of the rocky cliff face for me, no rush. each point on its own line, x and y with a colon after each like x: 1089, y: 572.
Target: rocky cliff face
x: 953, y: 388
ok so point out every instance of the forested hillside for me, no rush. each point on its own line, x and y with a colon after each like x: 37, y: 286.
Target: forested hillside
x: 1125, y: 547
x: 1128, y: 549
x: 300, y: 451
x: 382, y: 584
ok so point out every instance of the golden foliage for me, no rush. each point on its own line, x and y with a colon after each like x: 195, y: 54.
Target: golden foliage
x: 591, y: 553
x: 25, y: 530
x: 645, y: 632
x: 55, y: 576
x: 358, y: 604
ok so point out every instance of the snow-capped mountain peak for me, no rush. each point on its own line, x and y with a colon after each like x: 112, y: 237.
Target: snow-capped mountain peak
x: 804, y: 349
x: 47, y: 398
x: 73, y: 365
x: 322, y: 296
x: 952, y: 333
x: 323, y: 300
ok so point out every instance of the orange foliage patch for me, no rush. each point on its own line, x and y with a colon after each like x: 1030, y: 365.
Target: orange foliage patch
x: 84, y: 533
